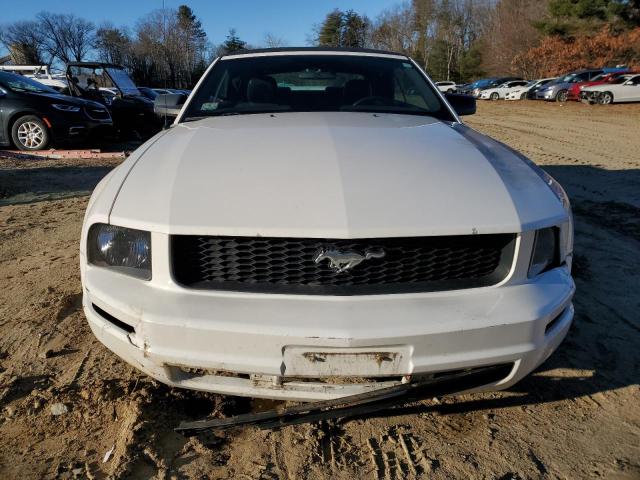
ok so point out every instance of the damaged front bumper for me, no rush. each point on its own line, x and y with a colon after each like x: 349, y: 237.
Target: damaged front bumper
x: 303, y: 348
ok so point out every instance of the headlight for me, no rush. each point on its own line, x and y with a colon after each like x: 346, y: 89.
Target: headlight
x: 122, y: 249
x: 545, y: 251
x: 564, y: 232
x: 65, y: 108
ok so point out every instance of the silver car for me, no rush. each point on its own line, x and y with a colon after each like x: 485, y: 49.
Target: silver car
x: 558, y: 90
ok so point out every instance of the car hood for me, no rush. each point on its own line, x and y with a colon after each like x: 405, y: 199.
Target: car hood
x: 598, y: 87
x: 332, y: 175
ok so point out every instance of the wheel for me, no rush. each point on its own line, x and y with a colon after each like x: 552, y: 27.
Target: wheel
x: 562, y: 96
x: 523, y: 96
x: 606, y: 98
x: 30, y: 133
x: 451, y: 90
x: 494, y: 96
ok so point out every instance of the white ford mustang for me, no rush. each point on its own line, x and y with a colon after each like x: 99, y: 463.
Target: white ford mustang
x: 318, y: 223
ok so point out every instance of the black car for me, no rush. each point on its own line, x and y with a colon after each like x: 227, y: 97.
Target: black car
x: 131, y: 110
x: 33, y: 115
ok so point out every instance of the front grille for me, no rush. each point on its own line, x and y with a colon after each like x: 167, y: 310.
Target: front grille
x: 286, y: 265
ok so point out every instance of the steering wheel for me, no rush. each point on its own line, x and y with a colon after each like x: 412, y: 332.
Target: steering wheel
x: 377, y: 100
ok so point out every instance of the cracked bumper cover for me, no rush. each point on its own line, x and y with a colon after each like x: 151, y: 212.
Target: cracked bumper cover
x: 268, y: 345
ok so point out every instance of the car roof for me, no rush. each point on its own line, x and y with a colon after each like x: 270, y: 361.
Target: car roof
x: 312, y: 50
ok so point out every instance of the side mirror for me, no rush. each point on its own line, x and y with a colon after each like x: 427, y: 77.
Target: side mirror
x: 169, y: 104
x: 462, y: 104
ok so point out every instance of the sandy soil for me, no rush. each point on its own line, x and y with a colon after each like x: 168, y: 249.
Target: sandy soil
x: 577, y: 416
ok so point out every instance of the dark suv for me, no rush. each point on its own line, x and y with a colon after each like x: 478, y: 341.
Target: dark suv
x: 558, y: 90
x: 33, y: 115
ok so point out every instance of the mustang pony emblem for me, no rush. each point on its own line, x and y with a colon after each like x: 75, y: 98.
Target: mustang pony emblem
x: 340, y: 261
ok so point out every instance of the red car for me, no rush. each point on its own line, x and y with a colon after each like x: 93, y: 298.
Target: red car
x: 576, y: 88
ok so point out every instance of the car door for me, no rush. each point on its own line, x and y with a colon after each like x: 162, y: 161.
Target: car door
x: 629, y: 91
x: 516, y: 85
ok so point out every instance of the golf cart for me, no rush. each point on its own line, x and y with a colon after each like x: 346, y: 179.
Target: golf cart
x: 110, y: 85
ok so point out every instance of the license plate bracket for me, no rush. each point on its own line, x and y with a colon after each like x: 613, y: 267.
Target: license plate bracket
x: 366, y: 361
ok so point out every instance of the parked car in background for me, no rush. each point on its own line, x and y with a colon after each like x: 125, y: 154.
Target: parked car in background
x: 576, y: 88
x: 132, y: 112
x: 558, y: 90
x: 446, y: 86
x: 625, y: 88
x: 32, y: 115
x: 522, y: 93
x: 533, y: 90
x: 470, y: 87
x: 319, y: 223
x: 39, y: 73
x: 478, y: 86
x: 500, y: 92
x: 169, y: 91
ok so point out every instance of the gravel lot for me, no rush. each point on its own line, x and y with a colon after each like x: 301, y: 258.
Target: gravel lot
x: 577, y: 416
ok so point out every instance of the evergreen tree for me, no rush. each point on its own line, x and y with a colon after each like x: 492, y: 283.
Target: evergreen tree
x: 330, y: 34
x: 569, y: 17
x: 354, y: 30
x: 343, y: 29
x: 233, y: 43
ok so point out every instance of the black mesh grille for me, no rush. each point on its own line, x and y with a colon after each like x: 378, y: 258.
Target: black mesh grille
x: 286, y: 265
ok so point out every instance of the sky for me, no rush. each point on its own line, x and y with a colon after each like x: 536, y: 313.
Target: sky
x: 287, y: 19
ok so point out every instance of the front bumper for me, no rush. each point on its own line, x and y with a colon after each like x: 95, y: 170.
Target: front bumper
x: 546, y: 95
x: 72, y: 127
x: 303, y: 348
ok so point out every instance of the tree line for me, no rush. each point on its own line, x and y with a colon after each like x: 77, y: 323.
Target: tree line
x: 165, y: 48
x: 456, y: 40
x: 462, y: 40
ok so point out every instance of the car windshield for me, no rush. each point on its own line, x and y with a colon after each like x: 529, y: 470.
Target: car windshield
x: 620, y: 79
x: 601, y: 77
x: 123, y: 81
x: 18, y: 83
x: 482, y: 83
x: 567, y: 78
x: 315, y: 83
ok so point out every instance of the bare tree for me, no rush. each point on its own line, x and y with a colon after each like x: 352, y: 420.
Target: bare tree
x: 112, y: 44
x: 66, y: 37
x: 511, y: 33
x: 394, y: 30
x: 438, y: 34
x: 273, y: 41
x: 24, y: 41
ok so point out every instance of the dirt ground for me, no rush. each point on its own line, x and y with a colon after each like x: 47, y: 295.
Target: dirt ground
x: 577, y: 416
